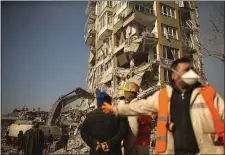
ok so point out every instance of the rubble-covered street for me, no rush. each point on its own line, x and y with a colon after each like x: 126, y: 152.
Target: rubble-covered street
x: 75, y: 146
x: 150, y: 53
x: 6, y: 149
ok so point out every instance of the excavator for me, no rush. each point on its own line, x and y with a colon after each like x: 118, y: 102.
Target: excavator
x: 53, y: 116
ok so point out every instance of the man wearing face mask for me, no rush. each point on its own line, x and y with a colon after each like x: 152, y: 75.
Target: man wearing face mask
x: 190, y: 115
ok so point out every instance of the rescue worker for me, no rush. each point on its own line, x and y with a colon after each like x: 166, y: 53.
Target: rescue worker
x: 7, y: 137
x: 65, y: 138
x: 121, y: 97
x: 102, y: 132
x: 138, y: 140
x: 33, y: 143
x: 190, y: 115
x: 121, y: 101
x: 20, y: 141
x: 49, y: 141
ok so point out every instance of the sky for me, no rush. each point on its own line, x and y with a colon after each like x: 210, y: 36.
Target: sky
x: 43, y: 54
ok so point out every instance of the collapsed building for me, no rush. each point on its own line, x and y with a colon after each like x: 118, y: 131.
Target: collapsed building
x: 57, y: 120
x: 19, y: 119
x: 22, y: 114
x: 137, y: 41
x: 129, y: 41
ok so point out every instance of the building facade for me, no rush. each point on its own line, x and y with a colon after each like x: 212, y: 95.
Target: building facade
x: 137, y: 41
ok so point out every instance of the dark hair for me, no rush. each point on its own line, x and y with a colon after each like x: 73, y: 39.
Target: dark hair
x: 129, y: 96
x: 181, y: 60
x: 121, y: 98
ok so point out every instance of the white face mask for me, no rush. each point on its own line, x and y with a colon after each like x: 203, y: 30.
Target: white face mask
x: 121, y: 102
x: 190, y: 77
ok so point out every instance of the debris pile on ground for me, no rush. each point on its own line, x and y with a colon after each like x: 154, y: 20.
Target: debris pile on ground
x: 72, y: 119
x: 6, y: 149
x: 77, y: 145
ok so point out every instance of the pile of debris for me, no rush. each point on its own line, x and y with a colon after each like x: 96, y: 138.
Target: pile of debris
x: 7, y: 149
x: 75, y: 146
x: 72, y: 119
x: 75, y: 118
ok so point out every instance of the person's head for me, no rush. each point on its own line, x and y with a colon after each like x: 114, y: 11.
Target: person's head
x: 20, y: 132
x: 49, y: 131
x: 130, y: 91
x: 183, y: 74
x: 121, y: 97
x: 103, y: 97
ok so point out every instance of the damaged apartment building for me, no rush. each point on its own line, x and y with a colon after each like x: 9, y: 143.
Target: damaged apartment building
x: 137, y: 41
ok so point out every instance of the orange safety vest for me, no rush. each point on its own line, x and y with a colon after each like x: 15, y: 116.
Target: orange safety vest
x: 208, y: 94
x: 144, y: 131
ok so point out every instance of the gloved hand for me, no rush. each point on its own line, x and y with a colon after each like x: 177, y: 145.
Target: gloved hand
x: 107, y: 108
x: 105, y: 147
x: 98, y: 146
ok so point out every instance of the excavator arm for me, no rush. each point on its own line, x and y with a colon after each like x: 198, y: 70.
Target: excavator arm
x: 65, y: 100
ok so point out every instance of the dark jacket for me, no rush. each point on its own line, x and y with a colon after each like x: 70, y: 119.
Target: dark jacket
x: 20, y: 140
x: 33, y: 143
x: 102, y: 127
x: 184, y: 137
x: 65, y: 138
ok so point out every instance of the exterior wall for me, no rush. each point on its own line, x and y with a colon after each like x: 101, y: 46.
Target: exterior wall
x: 127, y: 21
x: 124, y: 18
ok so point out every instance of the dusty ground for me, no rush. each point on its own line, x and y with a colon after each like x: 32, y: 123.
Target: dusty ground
x: 6, y: 149
x: 75, y: 146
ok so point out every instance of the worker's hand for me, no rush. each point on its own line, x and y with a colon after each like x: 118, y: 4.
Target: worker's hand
x: 105, y: 147
x: 98, y: 146
x: 107, y: 108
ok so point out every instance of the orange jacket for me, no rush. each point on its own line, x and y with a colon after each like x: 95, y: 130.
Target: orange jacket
x: 208, y: 94
x: 144, y: 130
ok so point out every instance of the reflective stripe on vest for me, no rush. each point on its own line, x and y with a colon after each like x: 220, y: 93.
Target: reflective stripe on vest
x: 161, y: 134
x: 209, y: 94
x: 162, y: 118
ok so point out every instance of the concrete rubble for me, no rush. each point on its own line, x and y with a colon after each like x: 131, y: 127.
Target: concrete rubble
x: 5, y: 149
x: 72, y: 119
x: 129, y: 51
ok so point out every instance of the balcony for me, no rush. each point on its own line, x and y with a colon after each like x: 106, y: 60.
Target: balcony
x: 105, y: 32
x: 185, y: 27
x: 105, y: 25
x: 90, y: 10
x: 138, y: 13
x: 188, y: 47
x: 186, y: 6
x: 90, y: 32
x: 104, y: 6
x: 107, y: 75
x: 149, y: 38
